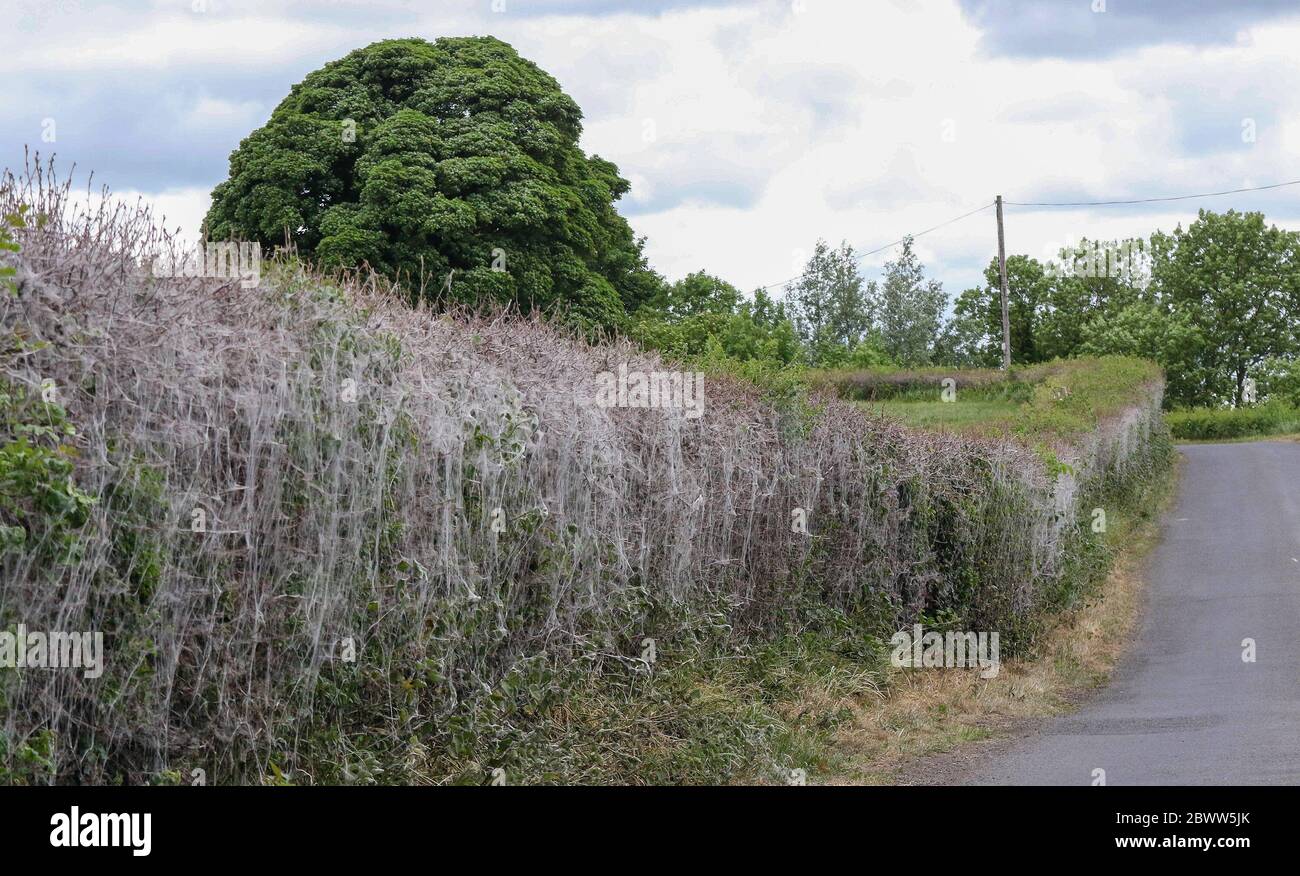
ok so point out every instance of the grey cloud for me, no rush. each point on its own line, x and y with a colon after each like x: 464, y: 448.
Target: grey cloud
x: 701, y: 171
x: 1031, y: 28
x: 141, y: 131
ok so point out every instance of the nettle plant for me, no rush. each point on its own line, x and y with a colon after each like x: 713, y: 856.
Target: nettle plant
x: 7, y: 272
x: 40, y: 504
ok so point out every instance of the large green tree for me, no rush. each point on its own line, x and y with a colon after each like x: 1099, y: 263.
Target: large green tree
x: 1095, y: 280
x: 1151, y: 330
x: 453, y: 165
x: 1236, y: 282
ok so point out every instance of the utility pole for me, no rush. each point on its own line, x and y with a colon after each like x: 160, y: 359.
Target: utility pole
x: 1006, y: 307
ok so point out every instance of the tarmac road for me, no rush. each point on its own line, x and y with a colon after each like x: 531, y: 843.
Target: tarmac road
x: 1183, y: 707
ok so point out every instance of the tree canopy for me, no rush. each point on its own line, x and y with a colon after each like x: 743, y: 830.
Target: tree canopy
x: 911, y: 310
x: 686, y: 317
x: 1214, y: 303
x: 1237, y: 282
x: 832, y: 309
x: 453, y: 165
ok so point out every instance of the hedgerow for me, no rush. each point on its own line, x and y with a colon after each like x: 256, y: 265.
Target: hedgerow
x: 1219, y: 424
x: 331, y: 538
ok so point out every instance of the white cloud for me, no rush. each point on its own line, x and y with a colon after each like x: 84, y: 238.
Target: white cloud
x: 180, y: 210
x: 99, y: 40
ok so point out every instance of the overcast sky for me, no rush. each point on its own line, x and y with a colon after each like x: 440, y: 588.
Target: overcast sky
x: 748, y: 130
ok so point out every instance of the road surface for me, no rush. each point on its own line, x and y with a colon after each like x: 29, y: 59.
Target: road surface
x: 1183, y: 707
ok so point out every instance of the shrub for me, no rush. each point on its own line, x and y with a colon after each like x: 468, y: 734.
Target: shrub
x: 1280, y: 381
x: 1219, y: 424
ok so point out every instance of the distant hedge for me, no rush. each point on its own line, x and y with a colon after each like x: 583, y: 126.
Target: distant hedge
x: 879, y: 384
x: 1218, y: 424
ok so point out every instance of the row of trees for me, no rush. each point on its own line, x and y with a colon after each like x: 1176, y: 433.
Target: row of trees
x: 829, y: 317
x: 1216, y: 304
x: 843, y: 320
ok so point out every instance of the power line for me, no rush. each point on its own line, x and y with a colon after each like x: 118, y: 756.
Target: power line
x: 1153, y: 200
x: 860, y: 256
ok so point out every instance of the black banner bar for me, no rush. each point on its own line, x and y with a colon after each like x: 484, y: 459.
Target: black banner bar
x: 298, y: 825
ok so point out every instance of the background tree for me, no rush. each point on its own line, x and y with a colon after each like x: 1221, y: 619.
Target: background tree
x: 964, y: 340
x: 695, y: 294
x: 1090, y: 281
x: 831, y: 306
x: 911, y: 310
x: 1237, y: 283
x: 1279, y: 380
x: 978, y: 312
x: 1150, y: 330
x: 684, y: 317
x: 421, y: 159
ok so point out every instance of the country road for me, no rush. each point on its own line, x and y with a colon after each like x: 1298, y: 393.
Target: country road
x: 1183, y: 707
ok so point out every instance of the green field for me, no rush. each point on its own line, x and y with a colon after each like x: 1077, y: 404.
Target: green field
x: 978, y: 414
x: 1039, y: 404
